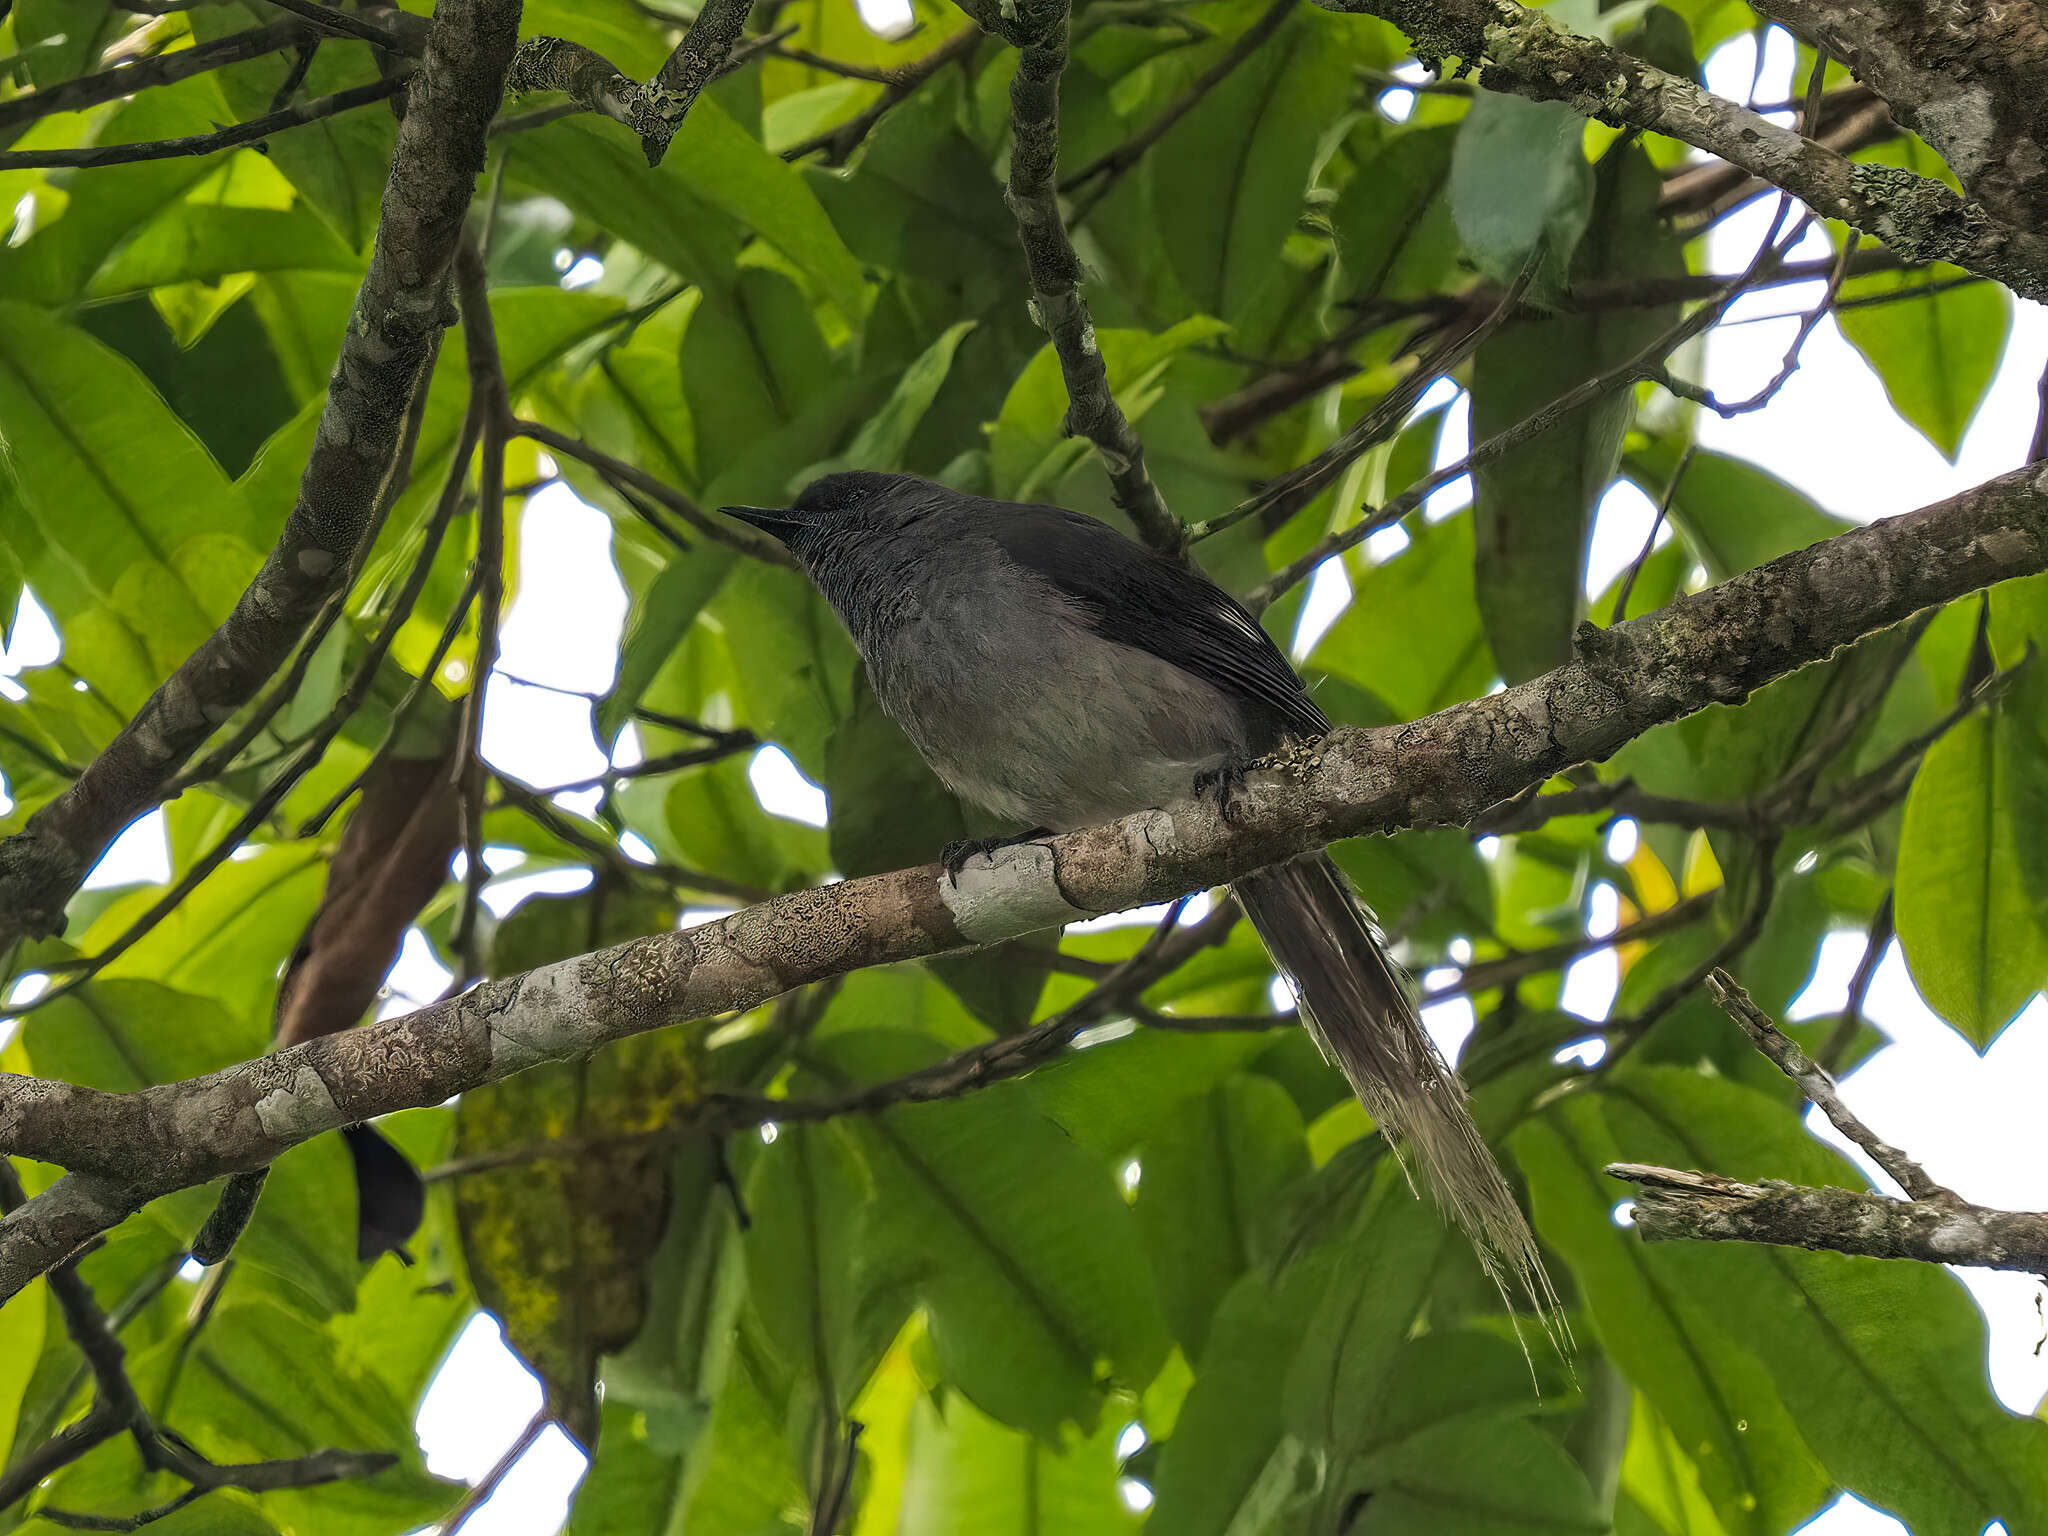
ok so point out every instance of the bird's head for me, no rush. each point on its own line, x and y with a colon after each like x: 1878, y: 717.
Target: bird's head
x: 851, y: 501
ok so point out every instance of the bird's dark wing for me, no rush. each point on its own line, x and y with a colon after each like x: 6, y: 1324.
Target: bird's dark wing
x: 1141, y: 599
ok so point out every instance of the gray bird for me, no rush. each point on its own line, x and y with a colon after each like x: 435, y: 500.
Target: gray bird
x: 1060, y: 675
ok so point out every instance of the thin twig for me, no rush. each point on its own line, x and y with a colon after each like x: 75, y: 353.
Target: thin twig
x: 1819, y: 1088
x: 1056, y: 302
x: 132, y: 75
x: 839, y: 143
x: 209, y: 143
x: 1876, y: 940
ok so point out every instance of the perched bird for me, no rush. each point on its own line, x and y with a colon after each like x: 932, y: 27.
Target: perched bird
x: 1058, y: 674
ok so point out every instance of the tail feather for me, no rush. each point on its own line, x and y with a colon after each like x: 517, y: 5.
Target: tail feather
x: 1360, y: 1010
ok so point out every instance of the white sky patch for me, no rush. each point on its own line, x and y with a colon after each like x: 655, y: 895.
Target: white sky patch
x: 783, y: 790
x: 1591, y: 981
x: 1624, y: 519
x: 142, y: 853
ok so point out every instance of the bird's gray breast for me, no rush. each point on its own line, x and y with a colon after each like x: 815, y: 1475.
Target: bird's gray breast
x: 1019, y: 707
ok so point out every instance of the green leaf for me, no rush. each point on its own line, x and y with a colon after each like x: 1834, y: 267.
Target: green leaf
x: 1021, y: 1248
x: 1974, y: 930
x: 882, y: 439
x: 668, y: 213
x: 1737, y: 516
x: 262, y: 1381
x: 1533, y: 507
x: 1228, y: 178
x: 1208, y: 1196
x: 21, y: 1346
x: 1230, y: 1464
x: 1936, y: 354
x: 1520, y: 181
x: 1029, y: 449
x: 229, y: 938
x: 753, y: 359
x: 828, y: 1318
x: 1498, y: 1477
x: 203, y: 242
x: 1393, y: 222
x: 967, y: 1475
x: 660, y: 617
x: 62, y: 38
x: 1750, y: 1457
x: 1425, y: 589
x: 120, y: 485
x: 53, y: 266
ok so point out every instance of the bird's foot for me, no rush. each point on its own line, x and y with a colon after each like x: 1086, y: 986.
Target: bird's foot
x: 954, y: 855
x: 1225, y: 786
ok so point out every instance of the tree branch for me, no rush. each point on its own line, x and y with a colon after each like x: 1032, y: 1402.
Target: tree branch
x: 1672, y: 1204
x: 1971, y: 78
x: 398, y: 314
x: 94, y: 155
x: 654, y: 110
x: 1706, y: 648
x: 1056, y: 301
x: 1526, y: 53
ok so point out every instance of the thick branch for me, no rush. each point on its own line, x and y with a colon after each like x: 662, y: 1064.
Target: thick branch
x: 1672, y: 1204
x: 398, y: 315
x: 1969, y: 76
x: 1710, y: 647
x: 1056, y: 302
x: 1526, y: 53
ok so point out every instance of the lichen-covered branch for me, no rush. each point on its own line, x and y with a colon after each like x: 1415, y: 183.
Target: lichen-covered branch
x: 1712, y: 647
x: 1969, y: 76
x: 653, y: 110
x: 1525, y: 52
x: 1673, y: 1204
x: 1056, y: 272
x: 398, y: 315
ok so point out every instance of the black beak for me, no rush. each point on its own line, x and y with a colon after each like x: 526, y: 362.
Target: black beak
x: 778, y: 521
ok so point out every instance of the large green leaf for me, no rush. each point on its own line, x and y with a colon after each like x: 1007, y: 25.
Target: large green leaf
x: 659, y: 618
x: 1937, y: 353
x: 21, y: 1346
x: 1029, y: 450
x: 1207, y: 1196
x: 1533, y: 507
x: 597, y: 169
x: 1750, y: 1457
x: 1519, y: 182
x: 199, y: 242
x: 967, y: 1475
x: 1425, y: 589
x: 1972, y: 924
x: 1021, y: 1248
x: 339, y: 164
x: 1736, y: 516
x: 882, y: 439
x: 1228, y: 178
x: 1393, y: 222
x: 112, y: 478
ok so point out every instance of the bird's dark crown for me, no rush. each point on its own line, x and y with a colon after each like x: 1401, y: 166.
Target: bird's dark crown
x: 830, y: 497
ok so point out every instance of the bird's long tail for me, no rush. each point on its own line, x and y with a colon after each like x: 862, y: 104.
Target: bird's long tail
x: 1359, y: 1008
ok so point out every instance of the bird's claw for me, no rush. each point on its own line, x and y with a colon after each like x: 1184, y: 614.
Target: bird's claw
x: 954, y: 856
x: 1225, y: 786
